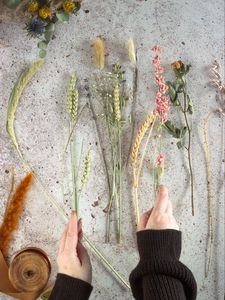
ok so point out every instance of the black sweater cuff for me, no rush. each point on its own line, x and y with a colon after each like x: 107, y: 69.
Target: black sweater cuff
x: 159, y: 244
x: 159, y: 256
x: 70, y: 288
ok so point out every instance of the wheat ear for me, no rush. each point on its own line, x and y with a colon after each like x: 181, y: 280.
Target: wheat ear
x: 116, y: 96
x: 141, y: 133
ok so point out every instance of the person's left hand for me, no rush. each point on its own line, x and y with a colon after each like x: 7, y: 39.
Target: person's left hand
x: 73, y: 259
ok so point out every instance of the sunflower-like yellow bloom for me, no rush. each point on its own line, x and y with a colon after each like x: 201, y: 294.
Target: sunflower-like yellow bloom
x: 68, y: 6
x: 33, y: 6
x: 45, y: 12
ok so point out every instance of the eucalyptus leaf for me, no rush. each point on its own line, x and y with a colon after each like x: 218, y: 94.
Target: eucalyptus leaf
x: 42, y: 53
x: 12, y: 3
x: 50, y: 27
x: 190, y: 105
x: 42, y: 45
x: 183, y: 131
x: 63, y: 17
x: 48, y: 35
x: 180, y: 144
x: 172, y: 91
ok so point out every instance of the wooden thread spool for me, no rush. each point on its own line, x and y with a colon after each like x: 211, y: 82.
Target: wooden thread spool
x: 30, y: 270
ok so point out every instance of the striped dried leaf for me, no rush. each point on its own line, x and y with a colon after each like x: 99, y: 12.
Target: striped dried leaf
x: 99, y: 55
x: 21, y: 83
x: 141, y: 132
x: 13, y: 213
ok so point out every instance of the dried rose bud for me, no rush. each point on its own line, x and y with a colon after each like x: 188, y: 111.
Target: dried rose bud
x: 177, y: 65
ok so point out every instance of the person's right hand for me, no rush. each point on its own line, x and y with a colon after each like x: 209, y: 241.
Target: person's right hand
x: 73, y: 259
x: 161, y: 215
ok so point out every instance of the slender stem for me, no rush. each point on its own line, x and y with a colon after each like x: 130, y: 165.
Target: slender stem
x: 189, y: 151
x: 120, y: 188
x: 135, y: 89
x: 210, y: 195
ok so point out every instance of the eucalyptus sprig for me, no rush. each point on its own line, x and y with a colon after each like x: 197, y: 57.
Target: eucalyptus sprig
x: 182, y: 101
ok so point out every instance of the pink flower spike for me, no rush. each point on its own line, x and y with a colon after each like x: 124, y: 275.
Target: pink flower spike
x: 160, y: 160
x: 156, y: 61
x: 159, y: 69
x: 156, y: 48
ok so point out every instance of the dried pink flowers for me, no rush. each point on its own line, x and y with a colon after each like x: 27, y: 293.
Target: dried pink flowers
x: 162, y: 101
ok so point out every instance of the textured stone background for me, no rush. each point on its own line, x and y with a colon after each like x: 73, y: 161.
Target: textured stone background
x: 190, y: 30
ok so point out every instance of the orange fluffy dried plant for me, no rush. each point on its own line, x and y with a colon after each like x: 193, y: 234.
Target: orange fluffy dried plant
x: 13, y: 213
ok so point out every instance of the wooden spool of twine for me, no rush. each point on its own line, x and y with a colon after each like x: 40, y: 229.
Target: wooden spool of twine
x: 30, y: 270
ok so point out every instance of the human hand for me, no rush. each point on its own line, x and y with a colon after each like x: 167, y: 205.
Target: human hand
x: 73, y: 259
x: 161, y: 215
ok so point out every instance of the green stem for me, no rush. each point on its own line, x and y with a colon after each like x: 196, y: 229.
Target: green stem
x: 189, y: 150
x: 120, y: 188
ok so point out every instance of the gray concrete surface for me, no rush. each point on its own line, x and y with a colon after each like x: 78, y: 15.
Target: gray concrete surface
x: 190, y: 30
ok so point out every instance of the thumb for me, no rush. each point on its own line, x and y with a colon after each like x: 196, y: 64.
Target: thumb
x: 83, y: 255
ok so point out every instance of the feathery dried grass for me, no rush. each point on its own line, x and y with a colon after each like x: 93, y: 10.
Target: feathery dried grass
x: 99, y: 55
x: 131, y: 51
x: 13, y: 213
x: 21, y: 83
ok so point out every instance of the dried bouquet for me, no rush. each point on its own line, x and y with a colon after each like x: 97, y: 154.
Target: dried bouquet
x: 42, y: 15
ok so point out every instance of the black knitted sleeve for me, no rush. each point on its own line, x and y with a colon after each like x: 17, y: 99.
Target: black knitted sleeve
x: 159, y: 274
x: 70, y: 288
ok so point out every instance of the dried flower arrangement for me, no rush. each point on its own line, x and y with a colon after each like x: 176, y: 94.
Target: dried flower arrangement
x: 13, y: 213
x: 182, y: 102
x: 109, y: 89
x: 42, y: 15
x: 12, y: 106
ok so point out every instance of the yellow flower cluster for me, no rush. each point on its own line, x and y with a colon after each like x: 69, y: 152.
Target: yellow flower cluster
x: 33, y: 6
x: 68, y: 6
x: 45, y: 12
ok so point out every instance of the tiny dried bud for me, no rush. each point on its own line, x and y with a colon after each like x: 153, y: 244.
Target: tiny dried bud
x: 177, y: 65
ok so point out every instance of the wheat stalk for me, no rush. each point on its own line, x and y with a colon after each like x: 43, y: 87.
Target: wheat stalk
x: 137, y: 167
x: 141, y: 133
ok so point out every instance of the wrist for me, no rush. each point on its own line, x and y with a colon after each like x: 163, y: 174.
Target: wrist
x: 161, y: 244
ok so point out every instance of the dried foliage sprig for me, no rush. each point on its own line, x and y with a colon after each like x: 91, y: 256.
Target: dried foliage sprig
x: 42, y: 15
x: 21, y: 83
x: 181, y: 99
x: 109, y: 90
x: 13, y: 213
x: 132, y: 51
x: 218, y: 82
x: 99, y: 53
